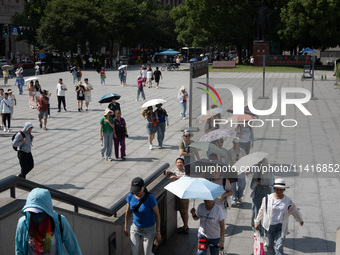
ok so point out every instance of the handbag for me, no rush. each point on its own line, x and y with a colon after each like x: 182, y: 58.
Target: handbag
x: 154, y: 123
x: 258, y: 244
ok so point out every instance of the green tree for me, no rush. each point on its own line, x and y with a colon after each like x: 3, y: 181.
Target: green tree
x: 67, y: 23
x: 30, y: 18
x: 311, y: 23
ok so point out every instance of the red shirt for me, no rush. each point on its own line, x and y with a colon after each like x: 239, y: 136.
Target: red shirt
x: 43, y: 104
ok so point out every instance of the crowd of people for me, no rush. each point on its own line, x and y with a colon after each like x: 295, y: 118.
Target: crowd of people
x: 270, y: 210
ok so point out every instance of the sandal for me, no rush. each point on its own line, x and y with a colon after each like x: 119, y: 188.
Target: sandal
x: 182, y: 230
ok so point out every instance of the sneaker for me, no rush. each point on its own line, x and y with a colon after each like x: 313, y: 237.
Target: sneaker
x: 4, y: 129
x: 183, y: 118
x: 123, y: 158
x: 240, y: 200
x: 109, y: 159
x: 180, y: 113
x: 136, y: 99
x: 78, y: 109
x: 160, y: 146
x: 8, y: 130
x: 233, y: 204
x: 65, y: 109
x: 150, y: 146
x: 87, y: 109
x: 102, y: 155
x: 58, y: 111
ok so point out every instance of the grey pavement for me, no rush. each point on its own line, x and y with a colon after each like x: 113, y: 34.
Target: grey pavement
x: 67, y: 156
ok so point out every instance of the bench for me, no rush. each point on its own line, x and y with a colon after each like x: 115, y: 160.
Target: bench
x: 224, y: 64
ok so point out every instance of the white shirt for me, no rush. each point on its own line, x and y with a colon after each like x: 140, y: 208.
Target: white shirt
x: 210, y: 220
x: 278, y: 210
x: 61, y: 92
x: 149, y: 74
x: 246, y: 132
x: 88, y: 92
x: 144, y: 72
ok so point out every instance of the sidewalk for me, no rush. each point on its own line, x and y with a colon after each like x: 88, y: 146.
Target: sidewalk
x: 67, y: 156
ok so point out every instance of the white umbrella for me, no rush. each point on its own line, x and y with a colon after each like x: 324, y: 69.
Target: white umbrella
x: 195, y: 188
x: 153, y: 102
x: 249, y: 160
x: 122, y: 66
x: 34, y: 78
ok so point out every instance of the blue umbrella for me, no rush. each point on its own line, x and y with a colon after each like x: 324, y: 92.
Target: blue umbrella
x: 307, y: 50
x: 170, y: 52
x: 194, y: 60
x: 108, y: 98
x: 195, y: 188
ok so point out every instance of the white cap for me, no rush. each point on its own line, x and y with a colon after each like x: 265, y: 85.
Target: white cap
x: 236, y: 140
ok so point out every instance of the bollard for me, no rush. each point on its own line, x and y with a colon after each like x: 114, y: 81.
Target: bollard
x: 325, y: 77
x: 322, y: 77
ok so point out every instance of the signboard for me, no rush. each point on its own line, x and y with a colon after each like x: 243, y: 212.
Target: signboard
x: 14, y: 31
x: 291, y: 60
x: 199, y: 68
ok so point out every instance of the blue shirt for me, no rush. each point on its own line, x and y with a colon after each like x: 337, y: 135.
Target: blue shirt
x: 144, y: 217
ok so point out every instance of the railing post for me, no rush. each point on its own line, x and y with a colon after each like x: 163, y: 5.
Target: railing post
x: 76, y: 209
x: 12, y: 192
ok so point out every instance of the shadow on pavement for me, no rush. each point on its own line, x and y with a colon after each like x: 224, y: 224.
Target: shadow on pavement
x: 138, y: 137
x: 234, y: 230
x: 142, y: 159
x: 310, y: 245
x: 63, y: 186
x: 270, y: 139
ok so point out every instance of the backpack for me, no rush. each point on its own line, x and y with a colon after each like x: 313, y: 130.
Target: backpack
x: 23, y: 136
x: 120, y: 129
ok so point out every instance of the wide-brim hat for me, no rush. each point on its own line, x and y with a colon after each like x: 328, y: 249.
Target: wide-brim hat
x: 280, y: 184
x: 107, y: 110
x: 182, y: 88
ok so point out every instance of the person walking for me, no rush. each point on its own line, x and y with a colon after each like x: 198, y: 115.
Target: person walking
x: 43, y: 109
x: 5, y: 74
x: 23, y: 141
x: 149, y: 76
x: 80, y: 89
x: 20, y: 82
x: 274, y: 215
x: 146, y: 219
x: 12, y: 97
x: 42, y: 230
x: 160, y: 128
x: 102, y: 76
x: 5, y: 111
x: 152, y: 121
x: 183, y: 97
x: 157, y: 74
x: 31, y: 94
x: 187, y: 153
x: 121, y: 132
x: 114, y: 106
x: 121, y: 76
x: 106, y: 134
x: 246, y: 135
x: 140, y: 87
x: 211, y: 229
x: 182, y: 205
x: 61, y: 88
x: 88, y: 88
x: 74, y: 75
x: 234, y: 154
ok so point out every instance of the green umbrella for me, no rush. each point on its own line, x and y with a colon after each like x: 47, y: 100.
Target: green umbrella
x: 209, y: 147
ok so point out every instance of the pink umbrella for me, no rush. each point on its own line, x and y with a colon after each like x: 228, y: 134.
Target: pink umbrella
x: 240, y: 117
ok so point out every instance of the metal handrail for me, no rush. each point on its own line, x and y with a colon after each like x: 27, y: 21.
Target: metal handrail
x: 12, y: 182
x: 120, y: 203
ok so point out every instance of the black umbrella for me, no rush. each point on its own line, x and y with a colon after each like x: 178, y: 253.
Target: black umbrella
x: 108, y: 98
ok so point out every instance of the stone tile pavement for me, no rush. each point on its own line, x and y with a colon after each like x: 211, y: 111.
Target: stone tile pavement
x: 67, y: 156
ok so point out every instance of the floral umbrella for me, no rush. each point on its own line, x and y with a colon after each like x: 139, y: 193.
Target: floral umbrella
x: 210, y: 113
x: 217, y: 134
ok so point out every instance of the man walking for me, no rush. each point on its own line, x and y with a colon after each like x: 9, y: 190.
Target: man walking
x: 43, y: 109
x: 23, y: 142
x: 61, y: 88
x: 88, y: 88
x: 163, y: 117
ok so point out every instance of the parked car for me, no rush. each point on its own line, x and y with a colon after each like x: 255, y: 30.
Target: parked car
x: 26, y: 64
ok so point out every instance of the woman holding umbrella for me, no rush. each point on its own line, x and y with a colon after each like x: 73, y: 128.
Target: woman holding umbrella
x: 152, y: 121
x: 106, y: 134
x: 31, y: 94
x: 5, y: 74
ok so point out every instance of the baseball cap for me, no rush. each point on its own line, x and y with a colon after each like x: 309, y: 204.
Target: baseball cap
x: 137, y: 184
x: 33, y: 210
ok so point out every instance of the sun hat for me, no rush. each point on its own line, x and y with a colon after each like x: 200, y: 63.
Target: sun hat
x: 137, y: 184
x: 236, y: 140
x: 182, y: 88
x: 280, y: 184
x: 185, y: 132
x: 107, y: 110
x: 33, y: 210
